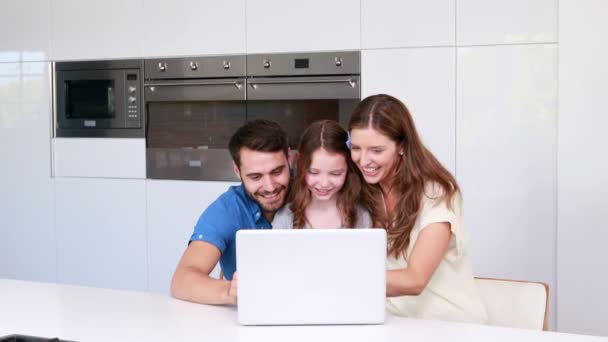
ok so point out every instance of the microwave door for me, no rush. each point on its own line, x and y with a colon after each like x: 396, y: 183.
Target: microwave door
x: 90, y: 99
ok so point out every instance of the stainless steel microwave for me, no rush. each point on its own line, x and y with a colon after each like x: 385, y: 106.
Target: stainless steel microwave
x: 99, y: 99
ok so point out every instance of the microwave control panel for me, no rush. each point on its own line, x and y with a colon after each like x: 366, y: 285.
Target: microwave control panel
x: 132, y: 96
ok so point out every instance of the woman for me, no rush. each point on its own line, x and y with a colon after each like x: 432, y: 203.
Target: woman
x: 326, y: 188
x: 419, y: 204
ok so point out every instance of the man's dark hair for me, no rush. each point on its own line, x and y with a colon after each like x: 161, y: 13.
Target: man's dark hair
x: 258, y: 135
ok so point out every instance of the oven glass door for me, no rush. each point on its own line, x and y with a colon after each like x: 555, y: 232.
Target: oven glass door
x: 297, y: 102
x: 189, y: 125
x: 91, y: 99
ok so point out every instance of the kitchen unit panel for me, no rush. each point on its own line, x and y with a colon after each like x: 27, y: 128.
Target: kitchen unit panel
x: 482, y: 22
x: 191, y: 27
x: 89, y: 29
x: 424, y: 79
x: 25, y: 30
x: 290, y: 26
x: 407, y: 23
x: 101, y: 232
x: 582, y: 168
x: 100, y: 157
x: 27, y: 240
x: 174, y: 207
x: 506, y: 121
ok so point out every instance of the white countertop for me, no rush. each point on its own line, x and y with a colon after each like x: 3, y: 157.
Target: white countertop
x: 92, y: 314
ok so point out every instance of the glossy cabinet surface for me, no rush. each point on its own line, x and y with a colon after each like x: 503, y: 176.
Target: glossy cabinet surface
x: 582, y: 168
x: 506, y: 21
x: 100, y: 157
x: 25, y: 30
x: 192, y: 27
x: 407, y: 23
x: 173, y: 209
x: 90, y: 29
x: 295, y: 26
x: 424, y: 80
x: 27, y: 240
x: 506, y: 124
x: 101, y: 232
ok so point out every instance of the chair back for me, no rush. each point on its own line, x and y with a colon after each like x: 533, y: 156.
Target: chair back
x: 516, y: 304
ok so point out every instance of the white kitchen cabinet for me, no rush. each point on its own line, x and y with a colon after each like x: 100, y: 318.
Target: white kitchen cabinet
x: 582, y: 168
x: 192, y: 27
x: 100, y: 157
x: 293, y: 26
x: 506, y: 120
x: 27, y: 241
x: 424, y: 79
x: 25, y: 30
x: 101, y: 232
x: 407, y: 23
x: 483, y: 22
x: 90, y: 29
x: 174, y: 207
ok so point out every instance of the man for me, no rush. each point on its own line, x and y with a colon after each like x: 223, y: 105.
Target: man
x: 260, y: 154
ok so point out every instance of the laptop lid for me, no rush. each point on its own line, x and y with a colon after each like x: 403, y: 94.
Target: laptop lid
x: 311, y: 276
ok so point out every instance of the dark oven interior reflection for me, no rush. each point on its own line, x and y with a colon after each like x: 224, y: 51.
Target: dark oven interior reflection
x: 295, y: 115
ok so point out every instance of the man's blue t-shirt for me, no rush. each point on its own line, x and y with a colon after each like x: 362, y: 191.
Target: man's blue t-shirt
x: 218, y: 224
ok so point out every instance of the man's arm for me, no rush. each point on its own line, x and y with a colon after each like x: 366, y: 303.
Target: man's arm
x: 192, y: 282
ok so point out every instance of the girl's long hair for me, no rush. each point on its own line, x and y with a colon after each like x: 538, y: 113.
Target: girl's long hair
x: 413, y: 171
x: 328, y: 135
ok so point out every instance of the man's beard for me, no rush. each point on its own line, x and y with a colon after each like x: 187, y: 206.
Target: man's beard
x: 274, y: 207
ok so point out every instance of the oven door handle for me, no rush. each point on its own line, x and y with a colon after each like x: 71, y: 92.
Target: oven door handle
x: 151, y: 86
x: 195, y: 90
x: 303, y: 88
x: 351, y: 82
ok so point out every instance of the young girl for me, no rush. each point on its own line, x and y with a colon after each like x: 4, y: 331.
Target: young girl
x: 419, y: 204
x: 327, y: 184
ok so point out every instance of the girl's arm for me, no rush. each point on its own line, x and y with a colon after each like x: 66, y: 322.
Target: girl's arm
x: 428, y: 251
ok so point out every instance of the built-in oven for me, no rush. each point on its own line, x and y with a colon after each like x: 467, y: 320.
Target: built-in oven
x: 99, y: 99
x: 193, y: 106
x: 298, y: 89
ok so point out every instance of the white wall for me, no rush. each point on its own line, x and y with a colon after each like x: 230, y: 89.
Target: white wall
x: 583, y: 167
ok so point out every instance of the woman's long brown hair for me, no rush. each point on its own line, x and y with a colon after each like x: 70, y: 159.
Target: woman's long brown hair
x: 414, y: 170
x: 331, y: 137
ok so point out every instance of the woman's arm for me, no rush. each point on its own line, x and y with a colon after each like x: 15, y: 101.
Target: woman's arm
x: 427, y: 253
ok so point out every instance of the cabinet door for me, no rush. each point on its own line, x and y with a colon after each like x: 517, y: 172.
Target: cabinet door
x: 90, y: 29
x: 99, y: 157
x: 25, y: 30
x: 314, y: 25
x: 27, y: 239
x: 582, y: 168
x: 173, y: 210
x: 506, y: 158
x: 193, y: 27
x: 407, y: 23
x: 101, y: 232
x: 424, y: 79
x: 482, y: 22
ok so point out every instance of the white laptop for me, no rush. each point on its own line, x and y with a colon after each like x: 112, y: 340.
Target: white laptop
x: 311, y: 276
